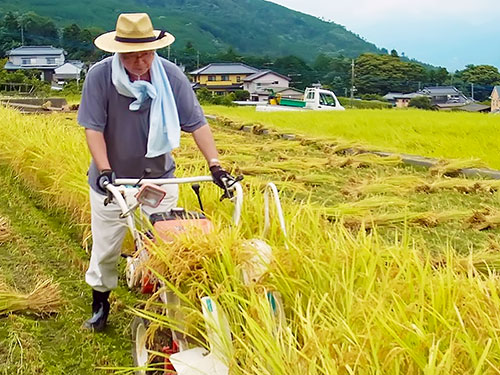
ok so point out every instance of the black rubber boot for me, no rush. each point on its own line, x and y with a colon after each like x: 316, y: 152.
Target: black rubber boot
x: 100, y: 312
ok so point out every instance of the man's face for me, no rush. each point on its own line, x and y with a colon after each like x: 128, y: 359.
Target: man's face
x: 137, y: 63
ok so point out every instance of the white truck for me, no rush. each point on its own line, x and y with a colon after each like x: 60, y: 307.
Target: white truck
x: 315, y: 99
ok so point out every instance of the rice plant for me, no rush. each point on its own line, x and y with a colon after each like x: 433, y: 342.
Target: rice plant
x: 356, y: 301
x: 433, y: 134
x: 45, y: 298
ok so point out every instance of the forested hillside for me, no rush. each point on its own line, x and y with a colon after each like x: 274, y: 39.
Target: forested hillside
x: 255, y: 27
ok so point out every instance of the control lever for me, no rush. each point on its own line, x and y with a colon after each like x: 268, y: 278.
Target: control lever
x: 109, y: 197
x: 196, y: 188
x: 228, y: 183
x: 147, y: 172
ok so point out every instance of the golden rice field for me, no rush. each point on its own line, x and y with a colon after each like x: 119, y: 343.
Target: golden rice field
x: 387, y: 269
x: 434, y: 134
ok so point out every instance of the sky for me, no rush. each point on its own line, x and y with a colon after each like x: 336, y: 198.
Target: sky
x: 448, y: 33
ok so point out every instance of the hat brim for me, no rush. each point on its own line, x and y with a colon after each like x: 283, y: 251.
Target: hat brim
x: 107, y: 43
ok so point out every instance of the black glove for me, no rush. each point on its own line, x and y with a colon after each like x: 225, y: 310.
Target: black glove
x: 106, y: 176
x: 221, y: 177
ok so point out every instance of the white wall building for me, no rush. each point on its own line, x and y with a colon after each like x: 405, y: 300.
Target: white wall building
x: 43, y: 58
x: 260, y: 84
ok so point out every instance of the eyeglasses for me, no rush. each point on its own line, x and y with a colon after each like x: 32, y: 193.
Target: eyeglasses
x: 129, y: 56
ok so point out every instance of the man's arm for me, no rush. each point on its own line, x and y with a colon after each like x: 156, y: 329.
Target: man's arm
x: 205, y: 142
x: 97, y: 147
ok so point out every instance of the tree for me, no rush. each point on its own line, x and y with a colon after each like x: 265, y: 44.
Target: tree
x: 229, y: 55
x: 10, y: 33
x: 204, y: 96
x: 422, y: 102
x: 297, y: 69
x: 379, y: 74
x: 39, y: 30
x: 241, y: 95
x: 481, y: 75
x: 437, y: 76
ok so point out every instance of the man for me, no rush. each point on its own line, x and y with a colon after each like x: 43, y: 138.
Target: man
x: 133, y: 106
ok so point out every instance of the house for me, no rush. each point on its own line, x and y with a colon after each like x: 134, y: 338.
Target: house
x: 442, y: 98
x: 469, y: 107
x: 70, y: 70
x: 495, y: 99
x: 262, y: 83
x: 43, y: 58
x: 403, y: 100
x: 444, y: 95
x: 290, y: 93
x: 221, y: 78
x: 400, y: 100
x: 391, y: 97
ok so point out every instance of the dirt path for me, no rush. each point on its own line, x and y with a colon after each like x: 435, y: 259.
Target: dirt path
x: 43, y: 246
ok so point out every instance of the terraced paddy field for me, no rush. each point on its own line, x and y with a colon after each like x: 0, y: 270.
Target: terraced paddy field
x: 386, y: 268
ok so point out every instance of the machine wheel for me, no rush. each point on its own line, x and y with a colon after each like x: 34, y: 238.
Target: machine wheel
x: 162, y: 342
x: 140, y: 353
x: 131, y: 273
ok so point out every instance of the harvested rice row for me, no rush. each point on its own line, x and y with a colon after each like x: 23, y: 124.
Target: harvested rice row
x: 452, y: 168
x: 426, y: 219
x: 405, y: 185
x: 5, y: 232
x: 487, y: 218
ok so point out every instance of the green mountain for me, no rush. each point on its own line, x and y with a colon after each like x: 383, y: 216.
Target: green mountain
x: 253, y: 27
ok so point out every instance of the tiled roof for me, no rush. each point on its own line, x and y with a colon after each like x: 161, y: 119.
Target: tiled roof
x: 440, y: 91
x: 35, y: 51
x: 225, y: 68
x: 261, y: 73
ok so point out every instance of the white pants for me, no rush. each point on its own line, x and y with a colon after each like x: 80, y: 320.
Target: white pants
x: 108, y: 232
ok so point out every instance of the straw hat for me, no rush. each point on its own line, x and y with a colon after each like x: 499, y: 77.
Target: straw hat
x: 134, y: 32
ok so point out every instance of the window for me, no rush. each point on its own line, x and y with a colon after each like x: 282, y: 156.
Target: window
x: 51, y: 60
x: 25, y: 61
x: 238, y: 79
x: 224, y: 77
x: 211, y: 78
x: 325, y: 99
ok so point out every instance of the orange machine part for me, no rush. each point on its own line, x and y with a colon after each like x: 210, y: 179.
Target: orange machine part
x: 168, y: 229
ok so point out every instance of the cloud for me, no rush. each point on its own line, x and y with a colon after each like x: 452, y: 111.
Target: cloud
x: 450, y: 33
x: 373, y: 11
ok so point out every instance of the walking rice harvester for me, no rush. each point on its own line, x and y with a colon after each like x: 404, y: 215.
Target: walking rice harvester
x: 180, y: 356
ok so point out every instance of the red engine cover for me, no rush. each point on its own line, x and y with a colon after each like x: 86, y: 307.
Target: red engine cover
x: 168, y: 229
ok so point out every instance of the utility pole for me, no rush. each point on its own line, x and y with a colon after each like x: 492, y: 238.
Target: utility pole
x: 168, y: 53
x: 352, y: 83
x: 22, y: 33
x: 197, y: 59
x: 472, y: 90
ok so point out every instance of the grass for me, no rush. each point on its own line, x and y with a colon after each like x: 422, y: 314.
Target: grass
x: 425, y: 133
x: 43, y: 245
x: 373, y: 281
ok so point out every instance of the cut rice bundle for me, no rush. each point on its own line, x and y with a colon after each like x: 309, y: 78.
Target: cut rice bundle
x: 44, y: 299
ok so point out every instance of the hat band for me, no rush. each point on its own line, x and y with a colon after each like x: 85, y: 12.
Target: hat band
x: 140, y: 40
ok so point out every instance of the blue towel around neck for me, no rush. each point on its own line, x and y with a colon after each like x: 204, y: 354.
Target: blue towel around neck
x: 164, y: 128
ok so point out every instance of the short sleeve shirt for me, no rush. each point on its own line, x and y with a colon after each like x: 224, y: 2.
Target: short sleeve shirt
x: 103, y: 109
